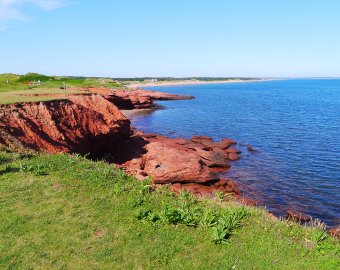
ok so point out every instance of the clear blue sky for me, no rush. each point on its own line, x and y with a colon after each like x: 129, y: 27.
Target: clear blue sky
x: 130, y: 38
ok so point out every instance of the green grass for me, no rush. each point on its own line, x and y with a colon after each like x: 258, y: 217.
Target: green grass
x: 13, y: 91
x: 114, y: 85
x: 4, y: 87
x: 10, y: 76
x: 34, y: 95
x: 18, y: 82
x: 66, y: 212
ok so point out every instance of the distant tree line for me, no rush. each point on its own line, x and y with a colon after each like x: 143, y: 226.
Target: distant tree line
x: 185, y: 78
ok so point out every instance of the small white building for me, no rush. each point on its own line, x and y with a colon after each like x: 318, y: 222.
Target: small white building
x: 152, y: 80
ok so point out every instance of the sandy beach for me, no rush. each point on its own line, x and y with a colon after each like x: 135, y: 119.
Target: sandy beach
x: 185, y: 82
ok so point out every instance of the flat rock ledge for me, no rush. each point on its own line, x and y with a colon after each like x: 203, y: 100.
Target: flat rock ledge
x: 136, y: 98
x: 186, y: 164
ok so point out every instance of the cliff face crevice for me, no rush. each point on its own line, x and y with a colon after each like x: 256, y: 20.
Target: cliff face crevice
x: 81, y: 124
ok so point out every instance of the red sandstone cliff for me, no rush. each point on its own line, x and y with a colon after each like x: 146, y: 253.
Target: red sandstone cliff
x: 81, y: 124
x: 92, y: 124
x: 136, y: 99
x: 187, y: 164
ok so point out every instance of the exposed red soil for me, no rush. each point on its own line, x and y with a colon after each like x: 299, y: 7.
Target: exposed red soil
x: 81, y: 124
x: 135, y: 99
x: 93, y: 124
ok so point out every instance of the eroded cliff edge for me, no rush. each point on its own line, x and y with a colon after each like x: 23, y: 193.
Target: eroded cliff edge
x: 136, y: 99
x: 93, y: 124
x: 79, y: 124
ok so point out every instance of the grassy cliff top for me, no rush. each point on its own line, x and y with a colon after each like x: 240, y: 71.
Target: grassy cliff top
x: 62, y: 211
x: 18, y: 88
x: 34, y: 95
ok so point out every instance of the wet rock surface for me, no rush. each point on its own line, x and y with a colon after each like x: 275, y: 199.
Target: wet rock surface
x: 251, y: 149
x: 298, y: 216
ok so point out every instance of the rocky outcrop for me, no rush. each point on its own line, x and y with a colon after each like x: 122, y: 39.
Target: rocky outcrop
x: 129, y: 100
x: 163, y: 96
x: 81, y: 124
x: 298, y: 216
x: 93, y: 124
x: 168, y: 164
x: 137, y: 98
x: 186, y: 164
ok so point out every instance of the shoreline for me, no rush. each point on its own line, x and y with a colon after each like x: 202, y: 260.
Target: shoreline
x: 127, y: 113
x: 188, y: 82
x: 237, y: 193
x: 290, y: 212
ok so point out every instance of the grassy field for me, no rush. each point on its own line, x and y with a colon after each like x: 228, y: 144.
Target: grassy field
x: 38, y: 94
x: 67, y: 212
x: 18, y: 91
x: 18, y: 82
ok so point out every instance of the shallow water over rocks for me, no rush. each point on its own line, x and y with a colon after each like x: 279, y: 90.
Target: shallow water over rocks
x: 294, y: 125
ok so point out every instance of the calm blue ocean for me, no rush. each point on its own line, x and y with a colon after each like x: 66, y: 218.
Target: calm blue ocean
x: 294, y: 123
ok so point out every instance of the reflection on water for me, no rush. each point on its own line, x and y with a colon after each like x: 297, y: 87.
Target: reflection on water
x: 137, y: 113
x: 293, y: 123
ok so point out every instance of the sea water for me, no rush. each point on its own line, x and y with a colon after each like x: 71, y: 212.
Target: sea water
x: 294, y: 124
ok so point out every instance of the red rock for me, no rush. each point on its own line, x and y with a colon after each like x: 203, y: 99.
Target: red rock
x: 218, y: 170
x: 298, y: 215
x: 149, y: 135
x: 167, y: 164
x: 195, y: 189
x: 221, y: 145
x: 226, y: 189
x: 335, y: 232
x: 201, y: 139
x: 250, y: 148
x: 170, y: 161
x: 139, y: 133
x: 233, y: 156
x: 136, y: 99
x: 234, y: 186
x: 189, y: 144
x: 229, y: 140
x: 213, y: 159
x: 245, y: 201
x: 233, y: 150
x: 80, y: 124
x: 125, y: 101
x: 163, y: 96
x: 221, y: 152
x: 176, y: 188
x: 221, y: 183
x: 141, y: 175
